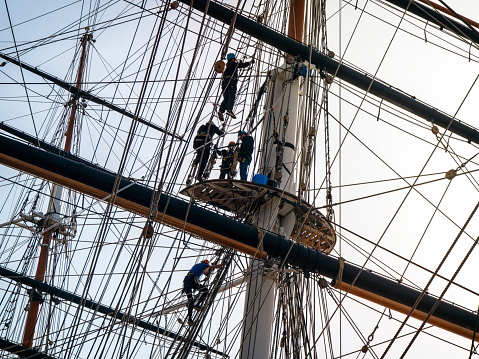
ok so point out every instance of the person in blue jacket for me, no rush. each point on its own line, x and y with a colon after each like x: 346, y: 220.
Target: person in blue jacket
x: 191, y: 283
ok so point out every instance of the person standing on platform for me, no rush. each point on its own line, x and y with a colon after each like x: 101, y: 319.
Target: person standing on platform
x: 229, y: 84
x: 202, y: 145
x: 245, y: 154
x: 228, y: 158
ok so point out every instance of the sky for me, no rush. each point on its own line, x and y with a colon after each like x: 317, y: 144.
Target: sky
x: 377, y: 151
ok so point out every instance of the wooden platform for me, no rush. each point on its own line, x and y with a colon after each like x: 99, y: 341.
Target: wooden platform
x: 242, y: 197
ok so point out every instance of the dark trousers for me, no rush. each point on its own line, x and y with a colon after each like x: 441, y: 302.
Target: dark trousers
x: 190, y: 283
x: 203, y: 154
x: 229, y: 96
x: 224, y: 172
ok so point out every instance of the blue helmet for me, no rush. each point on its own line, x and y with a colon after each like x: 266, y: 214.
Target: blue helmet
x: 242, y: 133
x: 230, y: 56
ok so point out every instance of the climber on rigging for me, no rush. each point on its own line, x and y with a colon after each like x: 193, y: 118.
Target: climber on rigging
x: 191, y: 283
x: 202, y: 145
x: 228, y: 84
x: 245, y: 152
x: 227, y: 161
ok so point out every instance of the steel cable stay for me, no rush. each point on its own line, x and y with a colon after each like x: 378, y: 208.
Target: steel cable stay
x: 154, y: 201
x: 325, y: 321
x: 21, y: 70
x: 450, y: 281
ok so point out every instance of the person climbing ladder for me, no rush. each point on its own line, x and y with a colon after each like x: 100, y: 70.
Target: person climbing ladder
x: 191, y: 283
x: 229, y: 83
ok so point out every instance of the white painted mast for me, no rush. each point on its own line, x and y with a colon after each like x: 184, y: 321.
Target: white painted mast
x: 282, y: 121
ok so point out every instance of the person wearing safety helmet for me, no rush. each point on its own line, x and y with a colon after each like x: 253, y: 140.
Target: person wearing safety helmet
x: 228, y: 156
x: 245, y: 153
x: 229, y: 83
x: 191, y: 283
x: 202, y: 145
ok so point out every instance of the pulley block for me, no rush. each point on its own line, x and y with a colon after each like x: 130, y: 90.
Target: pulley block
x: 331, y: 54
x: 451, y: 174
x: 148, y: 231
x: 435, y: 130
x: 278, y: 176
x: 323, y: 283
x: 174, y: 5
x: 329, y: 79
x: 219, y: 66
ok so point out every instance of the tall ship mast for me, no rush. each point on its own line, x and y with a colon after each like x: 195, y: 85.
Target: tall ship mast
x: 351, y: 233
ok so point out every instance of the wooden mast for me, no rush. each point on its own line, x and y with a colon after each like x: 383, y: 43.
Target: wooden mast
x: 54, y: 206
x: 296, y: 19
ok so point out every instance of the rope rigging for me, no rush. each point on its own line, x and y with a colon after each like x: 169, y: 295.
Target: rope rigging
x: 139, y: 263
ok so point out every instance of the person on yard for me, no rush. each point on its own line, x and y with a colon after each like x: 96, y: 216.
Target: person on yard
x: 227, y: 160
x: 245, y: 152
x: 202, y: 145
x: 191, y: 283
x: 229, y: 83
